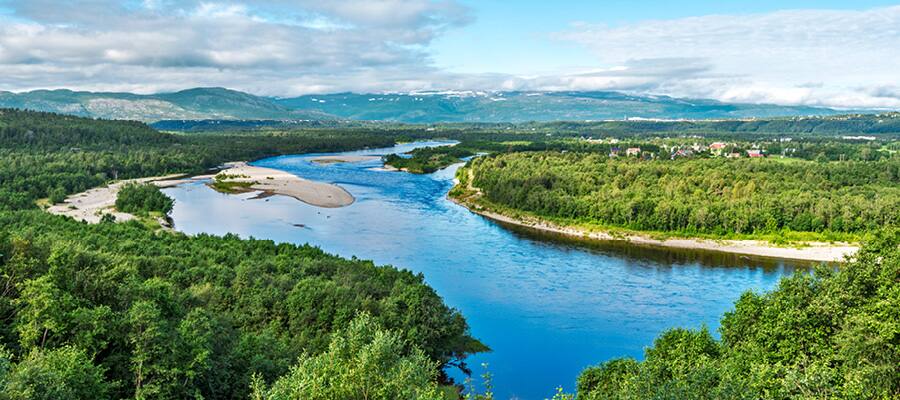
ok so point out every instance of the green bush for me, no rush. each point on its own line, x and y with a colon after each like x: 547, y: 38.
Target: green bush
x: 142, y: 198
x: 65, y: 373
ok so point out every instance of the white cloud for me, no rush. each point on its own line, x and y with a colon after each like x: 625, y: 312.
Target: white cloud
x: 291, y: 47
x: 270, y: 47
x: 763, y: 57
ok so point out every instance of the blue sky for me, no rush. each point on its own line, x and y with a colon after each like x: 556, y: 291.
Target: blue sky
x: 824, y: 53
x: 515, y: 36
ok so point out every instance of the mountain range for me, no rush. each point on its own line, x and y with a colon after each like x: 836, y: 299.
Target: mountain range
x: 422, y: 107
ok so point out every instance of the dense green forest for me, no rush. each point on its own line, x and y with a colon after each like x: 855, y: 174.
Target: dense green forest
x: 164, y: 315
x: 834, y: 334
x: 121, y: 310
x: 720, y: 197
x: 46, y: 154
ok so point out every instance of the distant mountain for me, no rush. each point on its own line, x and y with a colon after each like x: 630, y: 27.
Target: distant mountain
x: 191, y: 104
x: 531, y: 106
x: 225, y: 104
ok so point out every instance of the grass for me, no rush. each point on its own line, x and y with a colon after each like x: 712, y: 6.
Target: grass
x: 231, y: 187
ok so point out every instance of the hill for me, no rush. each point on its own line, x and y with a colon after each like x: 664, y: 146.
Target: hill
x: 432, y: 107
x: 531, y: 106
x: 191, y: 104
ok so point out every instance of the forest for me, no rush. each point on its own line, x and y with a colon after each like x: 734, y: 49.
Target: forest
x: 47, y: 153
x: 143, y: 198
x: 719, y: 197
x: 426, y: 160
x: 121, y: 310
x: 832, y: 334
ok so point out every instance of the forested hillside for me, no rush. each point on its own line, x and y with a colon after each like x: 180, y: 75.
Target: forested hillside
x: 119, y: 310
x: 696, y: 196
x: 192, y: 104
x: 43, y: 151
x: 834, y: 334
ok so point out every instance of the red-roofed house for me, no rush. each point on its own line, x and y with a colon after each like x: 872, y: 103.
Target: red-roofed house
x: 755, y: 153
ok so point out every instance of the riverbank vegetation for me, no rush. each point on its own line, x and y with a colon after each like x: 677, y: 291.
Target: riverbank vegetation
x: 171, y: 316
x: 831, y: 334
x: 223, y: 183
x: 723, y: 198
x: 142, y: 199
x: 426, y: 160
x: 121, y: 310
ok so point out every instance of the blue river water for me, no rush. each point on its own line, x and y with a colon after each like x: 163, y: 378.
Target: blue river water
x: 548, y: 306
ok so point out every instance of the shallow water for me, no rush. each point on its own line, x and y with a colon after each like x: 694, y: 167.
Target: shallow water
x: 548, y: 306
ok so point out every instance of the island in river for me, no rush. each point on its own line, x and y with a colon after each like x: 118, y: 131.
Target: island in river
x: 235, y: 177
x: 242, y: 177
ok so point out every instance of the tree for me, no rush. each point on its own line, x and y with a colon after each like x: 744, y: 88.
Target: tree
x: 362, y: 362
x: 141, y: 198
x: 57, y: 195
x: 65, y: 373
x: 831, y: 334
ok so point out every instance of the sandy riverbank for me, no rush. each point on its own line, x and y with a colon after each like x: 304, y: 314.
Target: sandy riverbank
x: 90, y: 206
x: 810, y: 251
x: 276, y: 182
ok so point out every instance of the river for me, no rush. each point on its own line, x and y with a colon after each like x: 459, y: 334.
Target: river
x: 548, y: 306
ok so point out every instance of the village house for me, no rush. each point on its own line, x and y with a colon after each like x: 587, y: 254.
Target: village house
x: 755, y: 153
x: 683, y: 153
x: 733, y: 155
x: 614, y: 152
x: 717, y: 146
x: 633, y: 151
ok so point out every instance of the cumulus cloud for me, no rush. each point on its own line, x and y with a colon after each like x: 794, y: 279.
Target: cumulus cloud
x: 274, y: 47
x: 769, y: 57
x: 292, y: 47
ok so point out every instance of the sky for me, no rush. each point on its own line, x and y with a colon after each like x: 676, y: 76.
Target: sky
x: 822, y: 53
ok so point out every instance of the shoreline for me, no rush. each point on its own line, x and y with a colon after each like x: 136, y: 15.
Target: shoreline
x: 91, y: 205
x: 276, y: 182
x: 811, y: 251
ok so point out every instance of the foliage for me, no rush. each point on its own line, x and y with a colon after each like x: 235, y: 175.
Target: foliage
x: 44, y: 154
x: 696, y: 196
x: 165, y: 315
x: 221, y: 183
x: 64, y: 373
x: 363, y: 361
x: 831, y: 334
x: 426, y: 160
x: 139, y: 198
x: 171, y: 316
